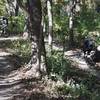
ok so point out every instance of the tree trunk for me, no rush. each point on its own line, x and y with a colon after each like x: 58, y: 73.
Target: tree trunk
x: 71, y: 24
x: 71, y: 34
x: 43, y: 53
x: 12, y: 7
x: 16, y: 10
x: 34, y: 10
x: 35, y: 17
x: 73, y: 10
x: 16, y: 7
x: 50, y: 24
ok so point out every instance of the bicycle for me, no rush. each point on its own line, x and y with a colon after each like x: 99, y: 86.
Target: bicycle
x: 4, y: 31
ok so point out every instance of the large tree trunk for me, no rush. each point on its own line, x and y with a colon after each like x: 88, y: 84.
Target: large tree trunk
x: 34, y: 10
x: 35, y: 16
x: 50, y: 24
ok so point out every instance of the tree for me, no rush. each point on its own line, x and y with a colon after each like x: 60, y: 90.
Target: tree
x: 71, y: 23
x: 50, y: 23
x: 34, y: 10
x: 16, y: 8
x: 12, y: 7
x: 73, y: 8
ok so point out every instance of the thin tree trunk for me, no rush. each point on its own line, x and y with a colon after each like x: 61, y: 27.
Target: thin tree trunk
x: 43, y: 53
x: 71, y: 25
x: 50, y: 24
x: 71, y: 34
x: 16, y: 7
x: 16, y: 10
x: 74, y: 9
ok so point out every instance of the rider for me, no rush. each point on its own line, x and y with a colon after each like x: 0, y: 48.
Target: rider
x: 4, y: 24
x: 88, y: 46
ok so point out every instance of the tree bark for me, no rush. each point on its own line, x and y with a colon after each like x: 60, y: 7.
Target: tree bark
x: 50, y: 23
x: 71, y: 34
x: 43, y: 53
x: 12, y: 7
x: 35, y: 16
x: 16, y: 10
x: 73, y: 10
x: 71, y: 24
x: 34, y: 10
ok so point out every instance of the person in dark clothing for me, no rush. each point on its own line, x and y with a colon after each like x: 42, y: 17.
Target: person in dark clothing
x: 4, y: 24
x: 96, y: 56
x: 88, y: 46
x: 98, y: 8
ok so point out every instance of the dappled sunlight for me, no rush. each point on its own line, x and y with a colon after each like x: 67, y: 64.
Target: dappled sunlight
x: 76, y: 57
x: 49, y: 49
x: 8, y: 86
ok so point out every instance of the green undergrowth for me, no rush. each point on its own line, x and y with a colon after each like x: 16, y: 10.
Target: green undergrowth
x: 22, y: 48
x: 71, y: 83
x: 65, y: 81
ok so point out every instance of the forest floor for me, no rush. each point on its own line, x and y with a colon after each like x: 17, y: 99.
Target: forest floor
x: 8, y: 88
x: 12, y: 84
x: 82, y: 63
x: 14, y: 87
x: 11, y: 88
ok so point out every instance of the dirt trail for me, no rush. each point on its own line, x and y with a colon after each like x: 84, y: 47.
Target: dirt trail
x: 77, y: 58
x: 8, y: 88
x: 13, y: 89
